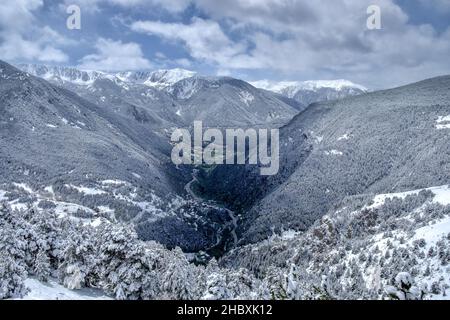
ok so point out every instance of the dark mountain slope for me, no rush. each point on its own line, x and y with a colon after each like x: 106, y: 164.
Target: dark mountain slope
x: 228, y: 102
x: 53, y: 132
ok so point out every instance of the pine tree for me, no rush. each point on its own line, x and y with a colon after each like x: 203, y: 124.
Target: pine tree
x: 403, y: 288
x: 216, y: 283
x: 125, y: 266
x: 180, y: 279
x: 78, y: 259
x: 12, y: 277
x: 42, y: 266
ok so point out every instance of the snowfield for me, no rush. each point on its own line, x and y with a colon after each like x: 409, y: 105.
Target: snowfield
x: 334, y: 153
x: 53, y: 291
x: 443, y: 122
x: 441, y: 196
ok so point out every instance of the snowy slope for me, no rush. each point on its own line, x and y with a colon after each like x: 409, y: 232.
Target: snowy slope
x: 359, y: 248
x: 165, y: 78
x: 53, y: 291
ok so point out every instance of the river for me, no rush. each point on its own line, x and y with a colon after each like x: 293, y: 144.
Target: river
x: 233, y: 224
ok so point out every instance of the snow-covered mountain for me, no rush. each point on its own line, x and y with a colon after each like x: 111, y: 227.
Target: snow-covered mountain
x: 290, y: 88
x: 222, y: 101
x: 307, y: 92
x: 176, y: 97
x: 91, y: 159
x: 159, y: 79
x: 63, y: 74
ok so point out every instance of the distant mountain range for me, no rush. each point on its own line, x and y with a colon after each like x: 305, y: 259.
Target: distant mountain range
x: 174, y: 97
x: 307, y: 92
x: 158, y: 79
x: 184, y: 86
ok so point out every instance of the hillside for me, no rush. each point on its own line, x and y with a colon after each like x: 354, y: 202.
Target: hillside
x: 380, y: 142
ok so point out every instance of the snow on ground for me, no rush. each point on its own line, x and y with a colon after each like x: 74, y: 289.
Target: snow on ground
x: 334, y: 153
x: 65, y: 208
x: 318, y: 139
x: 443, y: 122
x: 86, y: 190
x: 344, y: 137
x: 62, y: 209
x: 23, y: 186
x: 442, y: 196
x: 16, y: 205
x: 246, y: 97
x: 114, y: 182
x: 49, y: 189
x: 164, y: 78
x: 434, y: 232
x: 54, y: 291
x: 151, y: 205
x: 289, y: 234
x: 138, y: 176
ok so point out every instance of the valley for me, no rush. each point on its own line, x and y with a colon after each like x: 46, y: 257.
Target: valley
x: 360, y: 196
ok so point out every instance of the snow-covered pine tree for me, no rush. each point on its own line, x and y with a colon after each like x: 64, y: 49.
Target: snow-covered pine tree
x: 216, y: 283
x: 78, y: 259
x: 241, y: 284
x: 403, y: 288
x: 12, y: 277
x: 41, y: 267
x: 181, y: 280
x: 126, y: 271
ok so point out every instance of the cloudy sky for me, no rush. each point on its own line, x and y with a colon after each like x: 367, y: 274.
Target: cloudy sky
x: 249, y: 39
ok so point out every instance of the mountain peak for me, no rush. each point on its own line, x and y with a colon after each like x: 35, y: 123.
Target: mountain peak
x: 167, y: 77
x: 158, y: 78
x: 312, y: 85
x: 307, y: 92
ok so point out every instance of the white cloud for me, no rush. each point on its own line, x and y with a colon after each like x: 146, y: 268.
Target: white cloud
x: 22, y: 38
x: 114, y: 56
x: 183, y: 62
x: 172, y: 6
x: 311, y: 39
x: 204, y: 39
x: 15, y: 48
